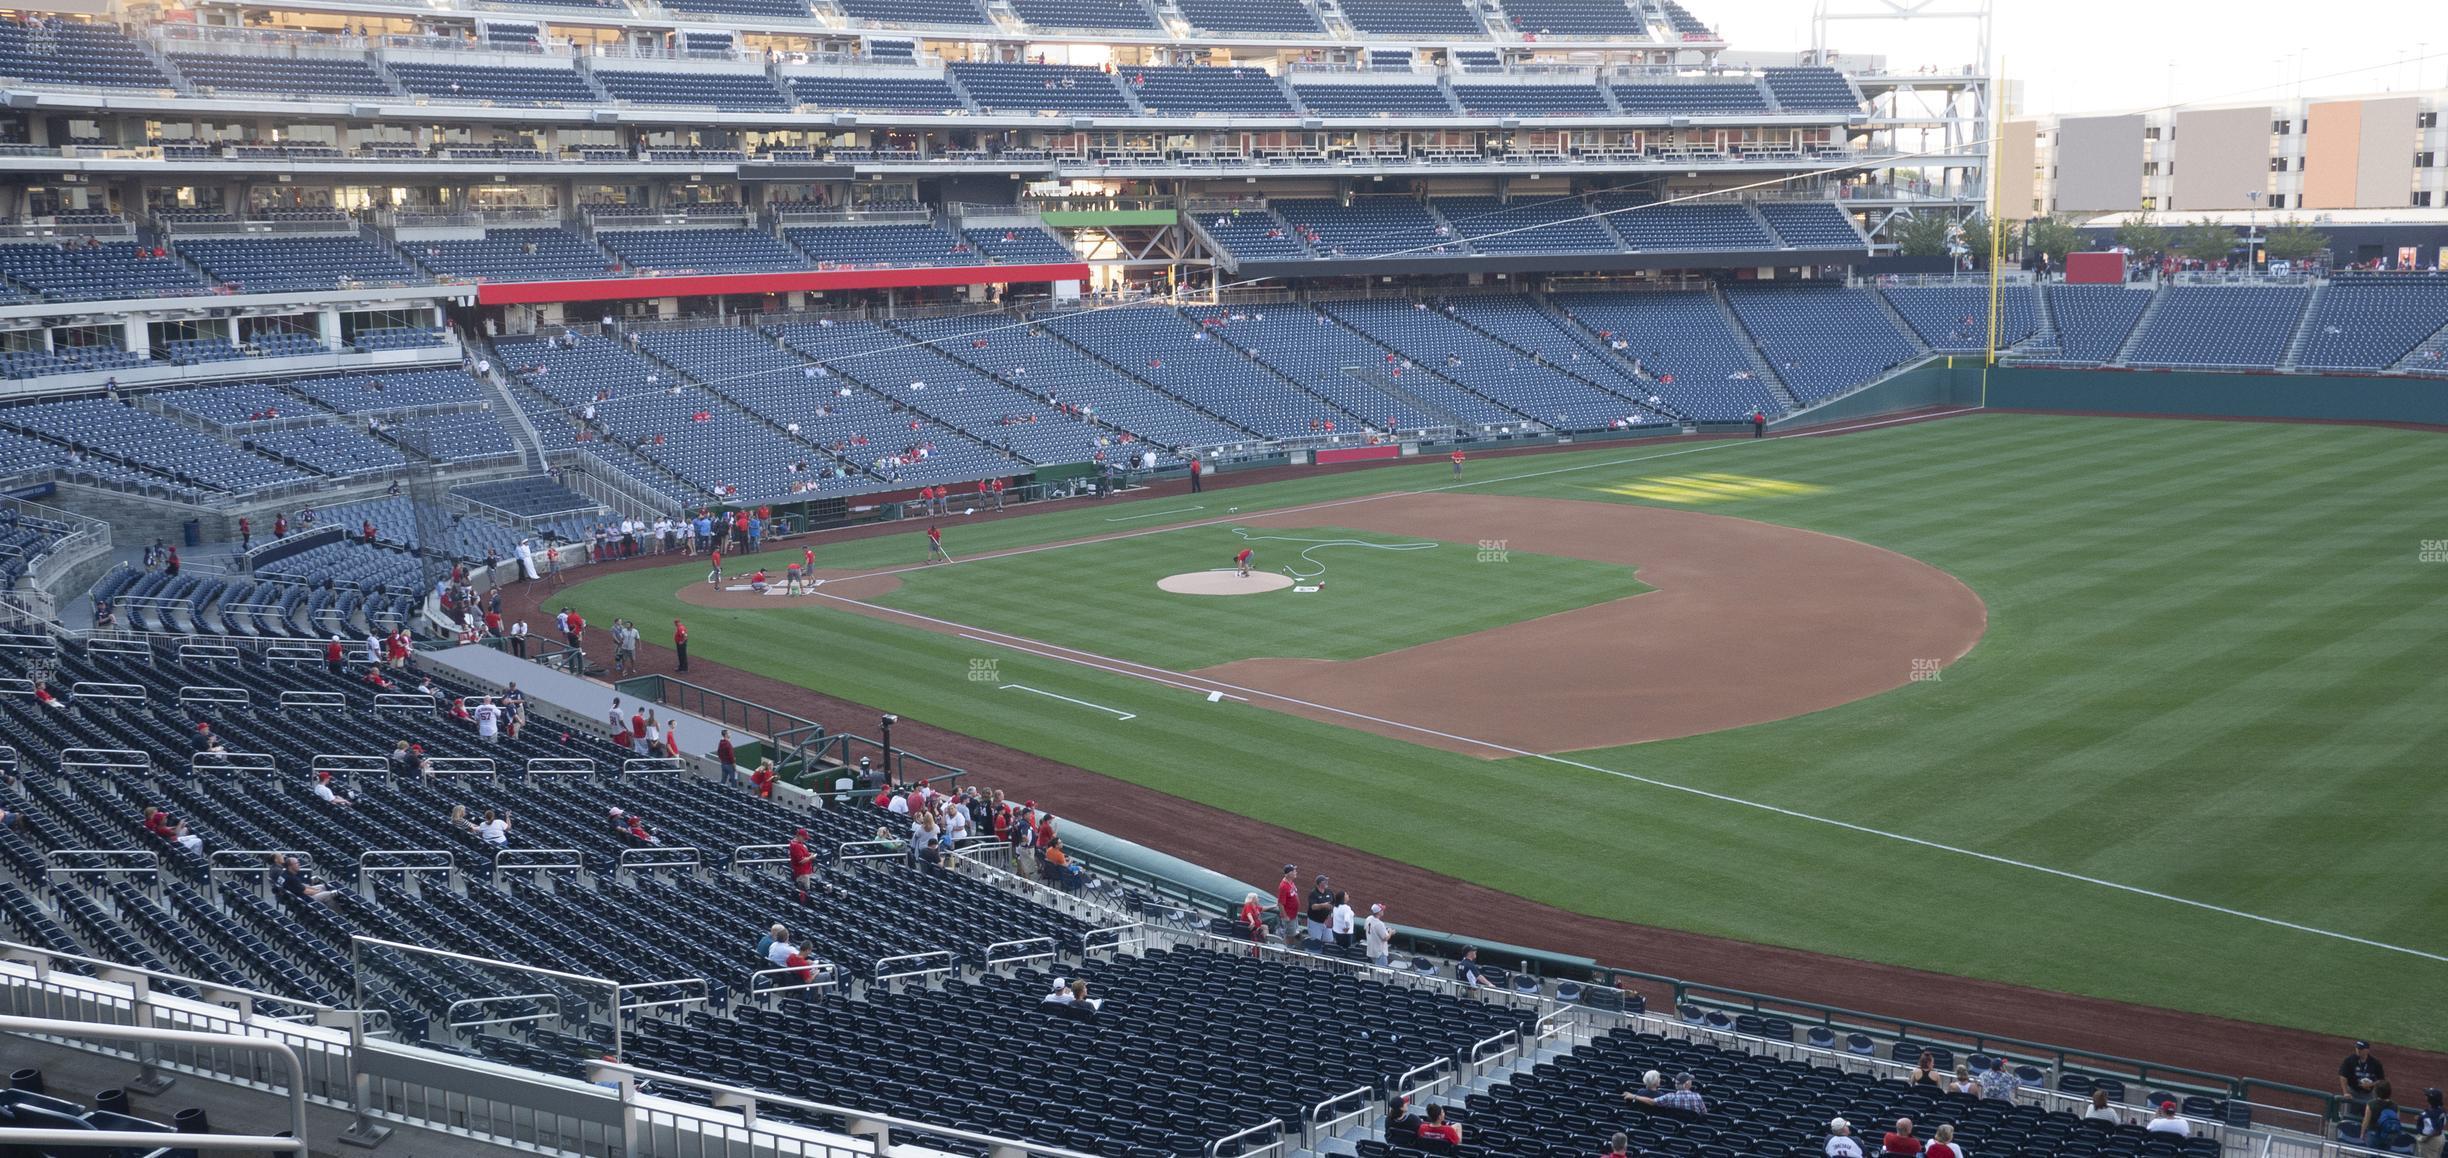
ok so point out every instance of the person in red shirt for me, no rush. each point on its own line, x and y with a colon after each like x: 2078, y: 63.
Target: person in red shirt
x: 998, y: 494
x: 935, y: 547
x: 715, y: 575
x: 246, y: 533
x: 1242, y: 561
x: 680, y: 642
x: 727, y: 757
x: 367, y: 529
x: 1195, y: 470
x: 1457, y: 461
x: 802, y: 863
x: 1253, y: 922
x: 1437, y: 1127
x: 335, y: 656
x: 1900, y: 1140
x: 763, y: 780
x: 807, y: 561
x: 1288, y: 897
x: 280, y: 526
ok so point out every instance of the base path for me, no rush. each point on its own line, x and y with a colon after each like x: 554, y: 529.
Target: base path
x: 1750, y: 622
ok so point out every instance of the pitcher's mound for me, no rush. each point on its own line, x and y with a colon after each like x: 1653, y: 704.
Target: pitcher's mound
x: 1224, y: 583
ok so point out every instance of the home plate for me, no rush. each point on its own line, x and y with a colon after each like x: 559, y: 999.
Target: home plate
x: 1223, y: 582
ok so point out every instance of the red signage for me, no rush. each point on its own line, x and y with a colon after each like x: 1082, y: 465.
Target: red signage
x: 1358, y: 453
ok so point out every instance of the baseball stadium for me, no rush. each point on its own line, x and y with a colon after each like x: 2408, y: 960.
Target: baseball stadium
x: 1528, y: 578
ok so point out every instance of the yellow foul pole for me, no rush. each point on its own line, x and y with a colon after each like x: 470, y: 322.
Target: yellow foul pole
x: 1997, y: 224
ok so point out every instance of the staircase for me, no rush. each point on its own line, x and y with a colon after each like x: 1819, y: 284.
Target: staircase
x: 2141, y: 326
x: 1279, y: 376
x: 1418, y: 368
x: 1135, y: 380
x: 1903, y: 325
x: 1375, y: 379
x: 780, y: 431
x: 1760, y: 368
x: 530, y: 440
x: 1565, y: 367
x: 2428, y: 357
x: 2044, y: 314
x: 2303, y: 327
x: 1597, y: 345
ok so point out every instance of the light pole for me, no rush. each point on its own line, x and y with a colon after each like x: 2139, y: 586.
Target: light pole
x: 2252, y: 230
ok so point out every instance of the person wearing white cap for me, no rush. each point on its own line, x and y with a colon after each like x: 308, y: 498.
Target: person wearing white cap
x: 1378, y: 937
x: 1840, y: 1143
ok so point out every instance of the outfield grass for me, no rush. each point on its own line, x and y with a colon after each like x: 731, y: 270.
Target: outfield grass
x: 1104, y: 598
x: 2212, y: 672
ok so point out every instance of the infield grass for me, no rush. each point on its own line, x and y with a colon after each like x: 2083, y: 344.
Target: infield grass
x: 2213, y: 671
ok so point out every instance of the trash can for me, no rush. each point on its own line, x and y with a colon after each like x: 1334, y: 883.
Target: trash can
x: 191, y: 533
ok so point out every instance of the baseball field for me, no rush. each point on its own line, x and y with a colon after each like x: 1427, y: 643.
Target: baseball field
x: 2138, y: 709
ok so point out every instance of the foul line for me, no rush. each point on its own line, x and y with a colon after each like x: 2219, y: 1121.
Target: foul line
x: 1329, y: 504
x: 1176, y: 679
x: 1068, y: 700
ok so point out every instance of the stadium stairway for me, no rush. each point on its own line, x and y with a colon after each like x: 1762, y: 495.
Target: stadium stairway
x: 522, y: 428
x: 1590, y: 341
x: 1760, y: 368
x: 2430, y: 356
x: 1903, y: 325
x: 1084, y: 353
x: 2303, y: 327
x: 2142, y: 326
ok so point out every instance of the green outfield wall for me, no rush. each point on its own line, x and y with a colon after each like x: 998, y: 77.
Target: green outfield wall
x: 1944, y: 383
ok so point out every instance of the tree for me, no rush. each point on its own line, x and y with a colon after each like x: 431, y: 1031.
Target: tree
x: 1976, y: 238
x: 2292, y: 240
x: 1921, y: 235
x: 2204, y: 240
x: 2143, y: 235
x: 2052, y: 235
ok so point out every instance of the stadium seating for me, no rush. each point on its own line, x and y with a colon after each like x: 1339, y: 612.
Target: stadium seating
x: 1955, y: 319
x: 1022, y: 245
x: 2227, y: 326
x: 728, y: 91
x: 149, y: 441
x: 331, y: 450
x: 1560, y: 224
x: 66, y: 359
x: 2369, y: 323
x: 1026, y: 88
x: 524, y: 86
x: 900, y: 12
x: 82, y: 272
x: 1689, y: 353
x: 1352, y: 372
x: 1131, y: 14
x: 746, y: 9
x: 1372, y: 100
x: 1430, y: 339
x: 1257, y: 235
x: 1184, y: 358
x: 1700, y: 98
x: 398, y: 338
x: 881, y: 246
x: 1035, y: 364
x: 1577, y: 18
x: 1692, y: 225
x: 62, y: 52
x: 293, y: 264
x: 528, y: 496
x: 1811, y: 90
x: 1294, y: 16
x: 1370, y: 227
x: 1821, y: 340
x: 1680, y: 20
x: 394, y: 390
x: 701, y: 250
x: 333, y: 76
x: 285, y: 344
x: 196, y: 351
x: 875, y: 93
x: 460, y: 436
x: 526, y: 254
x: 1531, y: 100
x: 1195, y: 91
x: 2093, y: 321
x: 1401, y: 18
x: 1812, y: 225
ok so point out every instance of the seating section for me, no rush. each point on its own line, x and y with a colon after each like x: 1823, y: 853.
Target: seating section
x: 1185, y: 359
x: 881, y: 246
x: 1370, y: 227
x: 1360, y: 377
x: 460, y: 436
x: 295, y: 264
x: 1691, y: 225
x: 1402, y: 18
x: 2093, y: 321
x: 2212, y: 325
x: 1812, y: 90
x: 100, y: 356
x: 1109, y: 412
x: 1440, y: 343
x: 237, y: 404
x: 1577, y: 18
x: 523, y: 86
x: 399, y: 338
x: 748, y: 9
x: 111, y: 430
x: 1701, y: 98
x: 1684, y: 348
x: 1531, y: 225
x: 2369, y: 323
x: 1531, y: 100
x: 331, y: 450
x: 1023, y: 245
x: 1193, y: 91
x: 196, y: 351
x: 728, y: 91
x: 1813, y: 225
x: 334, y: 76
x: 81, y: 272
x: 899, y: 12
x: 1294, y: 16
x: 1821, y: 340
x: 702, y: 250
x: 394, y: 390
x: 1257, y: 235
x: 894, y: 94
x: 511, y: 255
x: 1955, y: 319
x: 1132, y: 14
x: 1370, y: 100
x: 1025, y: 88
x: 63, y: 52
x: 528, y: 496
x: 1680, y: 20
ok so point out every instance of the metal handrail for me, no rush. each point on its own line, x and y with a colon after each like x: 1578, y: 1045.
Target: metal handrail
x: 457, y: 766
x: 560, y: 766
x: 891, y: 849
x: 348, y: 762
x: 192, y: 652
x: 1404, y: 1086
x: 232, y: 762
x: 1017, y: 958
x: 106, y: 690
x: 1087, y: 939
x: 1314, y: 1120
x: 151, y: 861
x: 828, y: 977
x: 105, y: 758
x: 630, y: 1076
x: 538, y: 859
x: 1271, y: 1125
x: 882, y: 977
x: 677, y: 983
x: 297, y: 699
x: 144, y: 1140
x: 1479, y: 1052
x: 739, y: 856
x: 450, y: 1013
x: 403, y: 701
x: 210, y: 694
x: 425, y: 860
x: 683, y: 856
x: 653, y: 764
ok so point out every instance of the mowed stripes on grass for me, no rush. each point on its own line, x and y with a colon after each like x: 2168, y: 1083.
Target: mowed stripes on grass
x: 2211, y: 671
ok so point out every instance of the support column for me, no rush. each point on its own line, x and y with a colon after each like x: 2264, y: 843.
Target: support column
x: 327, y: 327
x: 136, y: 337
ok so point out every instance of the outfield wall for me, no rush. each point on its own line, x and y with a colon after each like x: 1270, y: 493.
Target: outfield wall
x: 1945, y: 383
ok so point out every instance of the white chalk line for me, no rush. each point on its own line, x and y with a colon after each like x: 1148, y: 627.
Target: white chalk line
x: 1068, y: 700
x: 1066, y: 659
x: 1329, y: 504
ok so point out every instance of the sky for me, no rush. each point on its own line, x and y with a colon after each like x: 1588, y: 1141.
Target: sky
x: 2114, y: 55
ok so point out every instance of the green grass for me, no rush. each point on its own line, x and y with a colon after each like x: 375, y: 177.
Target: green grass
x: 2213, y: 671
x: 1105, y: 599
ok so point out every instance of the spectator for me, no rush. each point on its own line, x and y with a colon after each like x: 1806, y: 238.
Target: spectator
x: 1997, y: 1082
x: 323, y: 792
x: 2431, y: 1128
x: 1060, y: 995
x: 495, y: 830
x: 1901, y: 1140
x: 1287, y: 901
x: 294, y: 881
x: 2383, y: 1126
x: 1468, y: 970
x: 1682, y: 1099
x: 1399, y: 1118
x: 2101, y: 1111
x: 802, y: 862
x: 2360, y: 1072
x: 1942, y: 1145
x: 1653, y: 1084
x: 1925, y: 1072
x: 335, y: 657
x: 1066, y: 874
x: 488, y: 720
x: 2167, y: 1121
x: 1253, y: 920
x: 1619, y: 1146
x: 1321, y: 910
x: 1963, y: 1083
x: 44, y: 696
x: 1840, y: 1143
x: 763, y: 779
x: 727, y: 757
x: 1438, y: 1128
x: 1340, y: 923
x: 160, y: 824
x: 1378, y: 938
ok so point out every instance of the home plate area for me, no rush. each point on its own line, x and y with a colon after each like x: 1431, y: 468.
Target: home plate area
x: 1224, y: 581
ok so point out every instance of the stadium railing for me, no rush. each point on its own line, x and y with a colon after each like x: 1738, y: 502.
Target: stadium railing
x: 294, y: 1142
